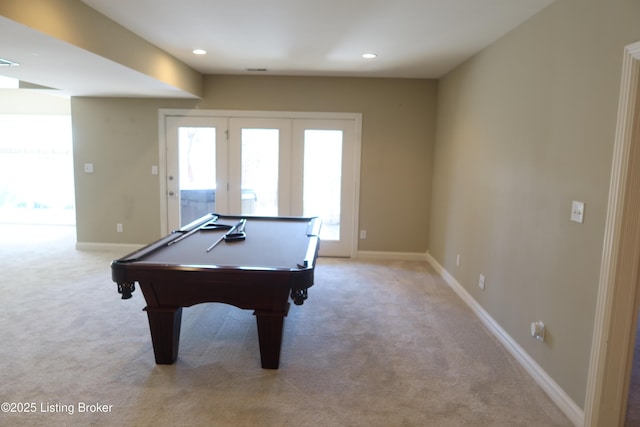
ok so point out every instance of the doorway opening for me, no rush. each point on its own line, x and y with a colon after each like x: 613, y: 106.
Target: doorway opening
x: 36, y: 170
x: 618, y: 296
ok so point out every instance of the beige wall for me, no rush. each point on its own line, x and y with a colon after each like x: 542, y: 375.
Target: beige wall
x: 484, y: 163
x: 523, y: 129
x: 120, y: 137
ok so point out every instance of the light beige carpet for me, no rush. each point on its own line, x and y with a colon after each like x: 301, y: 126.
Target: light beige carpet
x: 376, y: 344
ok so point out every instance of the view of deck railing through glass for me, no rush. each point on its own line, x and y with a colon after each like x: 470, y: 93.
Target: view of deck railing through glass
x: 259, y: 183
x: 197, y: 166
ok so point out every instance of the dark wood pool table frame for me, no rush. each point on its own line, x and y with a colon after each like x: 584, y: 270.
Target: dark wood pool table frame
x: 169, y: 281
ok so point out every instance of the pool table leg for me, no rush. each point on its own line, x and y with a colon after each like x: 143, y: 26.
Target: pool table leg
x: 270, y: 337
x: 164, y: 324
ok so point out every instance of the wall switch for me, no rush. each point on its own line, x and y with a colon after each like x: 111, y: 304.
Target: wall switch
x: 537, y: 330
x: 119, y: 228
x: 363, y: 234
x: 577, y: 211
x: 154, y: 170
x: 481, y: 282
x: 88, y: 167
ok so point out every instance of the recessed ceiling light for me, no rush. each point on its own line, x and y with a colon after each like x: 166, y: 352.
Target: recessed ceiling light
x: 199, y: 51
x: 369, y: 55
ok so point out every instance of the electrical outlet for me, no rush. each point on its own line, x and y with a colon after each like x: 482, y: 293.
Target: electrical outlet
x: 481, y: 282
x: 363, y: 234
x: 119, y: 228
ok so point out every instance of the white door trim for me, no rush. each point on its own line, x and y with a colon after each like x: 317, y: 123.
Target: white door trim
x: 617, y: 303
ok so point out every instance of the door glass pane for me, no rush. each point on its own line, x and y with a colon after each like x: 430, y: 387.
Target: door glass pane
x: 259, y: 180
x: 197, y: 166
x: 322, y: 177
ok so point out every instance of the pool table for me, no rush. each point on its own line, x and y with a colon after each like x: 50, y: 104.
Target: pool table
x: 250, y: 262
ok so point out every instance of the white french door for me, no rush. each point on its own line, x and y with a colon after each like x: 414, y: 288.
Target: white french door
x: 267, y: 166
x: 196, y: 168
x: 324, y: 184
x: 260, y: 166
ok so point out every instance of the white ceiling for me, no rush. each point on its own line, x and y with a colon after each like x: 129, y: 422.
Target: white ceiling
x: 412, y: 38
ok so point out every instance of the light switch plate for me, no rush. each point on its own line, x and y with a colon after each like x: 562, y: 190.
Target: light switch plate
x: 577, y: 211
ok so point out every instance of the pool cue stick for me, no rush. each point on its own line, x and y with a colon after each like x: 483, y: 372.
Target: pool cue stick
x: 184, y: 236
x: 240, y: 224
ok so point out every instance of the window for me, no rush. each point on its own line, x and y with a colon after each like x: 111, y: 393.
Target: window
x: 36, y: 170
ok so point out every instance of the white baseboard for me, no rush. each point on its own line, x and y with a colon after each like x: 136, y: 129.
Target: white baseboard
x: 408, y: 256
x: 125, y: 248
x: 555, y: 392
